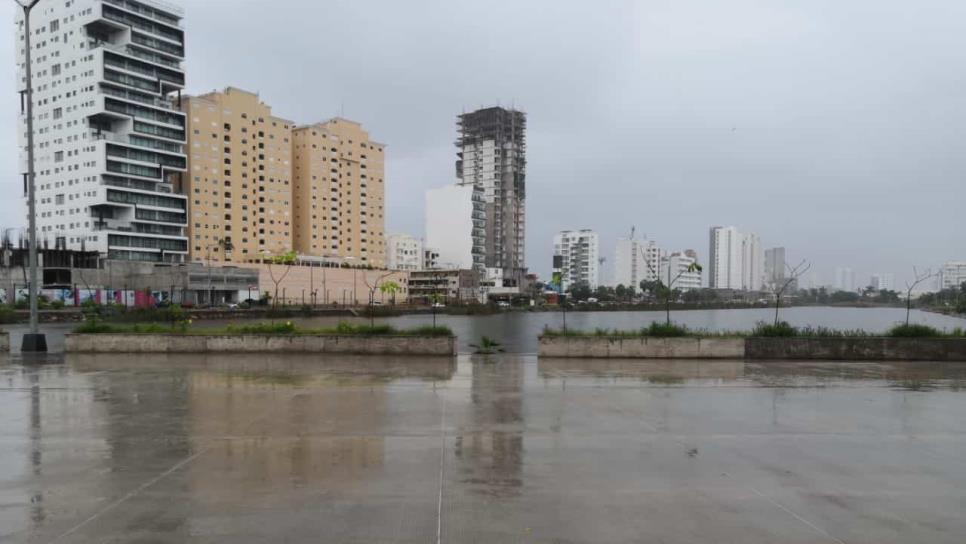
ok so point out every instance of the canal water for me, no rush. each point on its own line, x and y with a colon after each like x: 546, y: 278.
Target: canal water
x: 518, y: 331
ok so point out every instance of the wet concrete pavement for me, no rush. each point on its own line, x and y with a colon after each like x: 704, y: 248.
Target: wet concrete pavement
x: 505, y: 449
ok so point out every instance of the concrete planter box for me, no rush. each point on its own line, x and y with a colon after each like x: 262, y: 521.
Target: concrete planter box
x: 642, y: 347
x: 4, y: 341
x: 857, y: 349
x: 876, y: 348
x: 261, y: 343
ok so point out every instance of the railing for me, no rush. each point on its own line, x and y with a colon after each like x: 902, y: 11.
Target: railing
x: 148, y: 100
x: 139, y: 141
x: 154, y: 73
x: 150, y: 26
x: 125, y: 50
x: 160, y: 17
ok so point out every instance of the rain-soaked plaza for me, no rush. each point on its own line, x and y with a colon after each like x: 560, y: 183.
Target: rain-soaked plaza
x: 506, y: 448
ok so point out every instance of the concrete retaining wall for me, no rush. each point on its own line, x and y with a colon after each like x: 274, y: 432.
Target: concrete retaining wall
x: 642, y: 347
x: 4, y: 341
x: 833, y: 349
x: 260, y: 343
x: 858, y: 349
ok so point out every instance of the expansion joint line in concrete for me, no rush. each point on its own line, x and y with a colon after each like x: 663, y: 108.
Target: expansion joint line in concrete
x: 442, y: 461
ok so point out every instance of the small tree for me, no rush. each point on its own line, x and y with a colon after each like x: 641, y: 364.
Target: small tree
x: 286, y: 259
x: 620, y: 292
x: 372, y: 292
x: 793, y: 274
x: 390, y: 288
x: 580, y: 290
x: 917, y: 278
x: 666, y: 291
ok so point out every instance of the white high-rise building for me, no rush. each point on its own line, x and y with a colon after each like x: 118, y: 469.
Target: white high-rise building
x: 844, y: 279
x: 725, y: 258
x: 636, y: 260
x: 674, y: 270
x: 455, y: 223
x: 108, y: 140
x: 752, y: 263
x: 883, y: 281
x: 952, y: 275
x: 579, y: 251
x: 404, y: 252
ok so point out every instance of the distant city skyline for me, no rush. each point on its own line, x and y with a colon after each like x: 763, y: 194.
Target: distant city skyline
x: 848, y: 140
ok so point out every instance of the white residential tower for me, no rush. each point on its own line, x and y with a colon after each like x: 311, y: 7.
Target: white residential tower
x: 108, y: 138
x: 579, y: 251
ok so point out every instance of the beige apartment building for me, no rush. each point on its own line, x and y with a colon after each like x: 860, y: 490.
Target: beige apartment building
x: 339, y: 193
x: 239, y: 179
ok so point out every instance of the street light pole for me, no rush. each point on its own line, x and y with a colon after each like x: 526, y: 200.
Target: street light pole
x: 33, y: 341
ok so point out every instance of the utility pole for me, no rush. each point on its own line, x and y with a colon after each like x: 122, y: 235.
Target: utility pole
x: 33, y: 341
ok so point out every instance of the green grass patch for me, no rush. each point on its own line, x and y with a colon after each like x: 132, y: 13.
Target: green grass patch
x: 782, y: 329
x: 914, y: 331
x: 769, y: 330
x: 654, y: 330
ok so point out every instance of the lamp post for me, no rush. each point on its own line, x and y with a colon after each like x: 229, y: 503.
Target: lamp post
x: 33, y: 341
x: 222, y: 244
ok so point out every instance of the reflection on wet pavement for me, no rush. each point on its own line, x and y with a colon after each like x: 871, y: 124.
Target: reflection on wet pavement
x: 254, y: 448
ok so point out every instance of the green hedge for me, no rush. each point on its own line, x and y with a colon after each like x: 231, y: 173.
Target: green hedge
x: 343, y: 328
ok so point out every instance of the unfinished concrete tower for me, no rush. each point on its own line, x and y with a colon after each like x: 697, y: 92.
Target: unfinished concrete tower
x: 492, y: 156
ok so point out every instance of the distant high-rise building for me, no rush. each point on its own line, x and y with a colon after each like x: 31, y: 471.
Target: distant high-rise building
x: 952, y: 275
x: 339, y: 192
x: 883, y: 281
x: 404, y: 252
x: 674, y: 269
x: 636, y: 260
x: 774, y: 267
x: 844, y: 279
x: 725, y: 258
x: 455, y: 226
x: 579, y: 251
x: 108, y: 140
x: 752, y: 263
x: 492, y: 156
x: 239, y: 181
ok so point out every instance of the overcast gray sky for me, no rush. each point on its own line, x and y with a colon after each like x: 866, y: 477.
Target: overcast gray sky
x: 835, y: 129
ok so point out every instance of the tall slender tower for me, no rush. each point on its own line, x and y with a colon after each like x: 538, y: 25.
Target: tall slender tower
x: 109, y: 138
x: 725, y: 258
x: 492, y: 156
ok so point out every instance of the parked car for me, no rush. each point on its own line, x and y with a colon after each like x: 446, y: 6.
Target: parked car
x: 438, y: 305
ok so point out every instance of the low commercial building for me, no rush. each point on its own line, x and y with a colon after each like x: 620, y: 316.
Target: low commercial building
x: 453, y: 286
x: 317, y: 283
x: 75, y: 277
